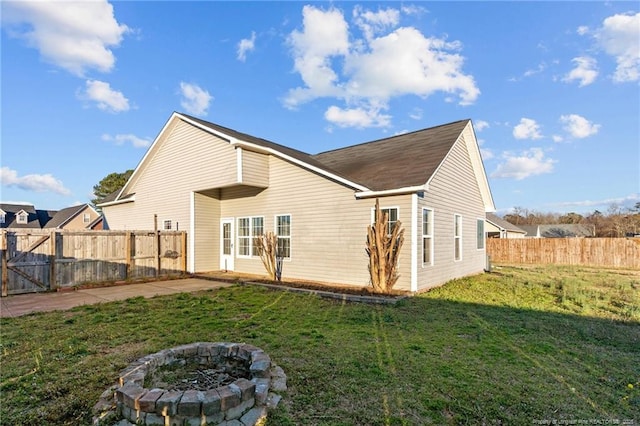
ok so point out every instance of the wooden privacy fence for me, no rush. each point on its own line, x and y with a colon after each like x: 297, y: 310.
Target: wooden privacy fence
x: 607, y: 252
x: 40, y: 260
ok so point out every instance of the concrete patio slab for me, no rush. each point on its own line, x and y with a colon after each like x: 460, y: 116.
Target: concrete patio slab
x: 23, y: 304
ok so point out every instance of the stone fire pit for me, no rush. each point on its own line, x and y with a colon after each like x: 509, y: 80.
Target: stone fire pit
x: 222, y: 382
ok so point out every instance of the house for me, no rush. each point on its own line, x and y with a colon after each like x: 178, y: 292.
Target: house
x: 497, y: 227
x: 559, y: 230
x: 78, y: 217
x: 23, y: 216
x: 225, y: 188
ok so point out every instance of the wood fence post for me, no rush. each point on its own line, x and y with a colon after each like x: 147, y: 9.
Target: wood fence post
x: 53, y: 250
x: 127, y: 253
x: 184, y: 252
x: 5, y: 278
x: 158, y: 257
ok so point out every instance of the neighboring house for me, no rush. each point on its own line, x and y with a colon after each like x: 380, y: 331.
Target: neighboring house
x: 559, y: 230
x: 23, y: 216
x: 78, y: 217
x: 225, y: 188
x: 499, y: 228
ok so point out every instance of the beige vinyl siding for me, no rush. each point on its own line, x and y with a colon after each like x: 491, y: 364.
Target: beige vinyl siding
x: 255, y: 169
x: 452, y: 190
x: 187, y: 159
x: 206, y: 241
x: 78, y: 221
x: 328, y: 225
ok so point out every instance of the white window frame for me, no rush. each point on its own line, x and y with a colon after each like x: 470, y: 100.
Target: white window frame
x: 251, y: 238
x: 167, y: 225
x: 3, y: 217
x: 427, y: 234
x: 86, y: 218
x: 480, y: 236
x: 284, y: 237
x: 22, y: 217
x: 457, y: 237
x: 382, y: 209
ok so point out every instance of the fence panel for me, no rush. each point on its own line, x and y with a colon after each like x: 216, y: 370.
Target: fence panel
x: 39, y: 260
x: 606, y: 252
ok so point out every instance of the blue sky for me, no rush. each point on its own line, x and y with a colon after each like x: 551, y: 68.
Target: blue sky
x: 553, y: 88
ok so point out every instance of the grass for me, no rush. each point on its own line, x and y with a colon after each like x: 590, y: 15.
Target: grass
x: 522, y: 345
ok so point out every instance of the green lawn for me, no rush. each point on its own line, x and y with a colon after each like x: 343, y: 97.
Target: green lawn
x: 518, y: 346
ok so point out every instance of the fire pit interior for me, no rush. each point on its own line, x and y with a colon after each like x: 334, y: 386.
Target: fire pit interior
x: 196, y: 384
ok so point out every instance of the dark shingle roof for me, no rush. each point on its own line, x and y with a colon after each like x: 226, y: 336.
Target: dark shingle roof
x: 64, y: 215
x: 395, y: 162
x: 35, y: 217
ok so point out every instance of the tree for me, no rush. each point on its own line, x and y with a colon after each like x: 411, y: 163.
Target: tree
x: 571, y: 218
x: 109, y: 184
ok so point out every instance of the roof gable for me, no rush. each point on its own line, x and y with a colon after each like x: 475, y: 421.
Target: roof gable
x: 403, y: 162
x: 65, y: 215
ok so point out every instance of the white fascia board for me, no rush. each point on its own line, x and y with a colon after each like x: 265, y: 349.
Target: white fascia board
x: 387, y: 192
x: 113, y: 203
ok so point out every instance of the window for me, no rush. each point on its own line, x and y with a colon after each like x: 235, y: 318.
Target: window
x: 22, y: 217
x: 249, y: 229
x: 283, y: 232
x: 480, y: 234
x: 427, y: 237
x: 166, y: 225
x: 86, y: 218
x: 392, y: 215
x: 2, y: 217
x: 457, y: 237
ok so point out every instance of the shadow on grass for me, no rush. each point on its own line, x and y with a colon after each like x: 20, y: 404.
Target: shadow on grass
x: 424, y: 361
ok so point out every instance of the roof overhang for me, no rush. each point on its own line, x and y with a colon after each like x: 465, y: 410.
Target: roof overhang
x: 389, y: 192
x: 115, y: 202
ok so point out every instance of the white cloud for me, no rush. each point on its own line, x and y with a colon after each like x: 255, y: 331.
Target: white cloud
x: 530, y: 163
x: 246, y: 45
x: 487, y: 154
x: 629, y: 199
x: 33, y: 182
x: 372, y: 23
x: 357, y: 117
x: 416, y: 114
x: 368, y: 72
x: 578, y: 126
x: 123, y: 138
x: 480, y: 125
x: 195, y: 100
x: 107, y: 99
x: 585, y: 71
x: 582, y: 30
x: 73, y: 35
x: 527, y: 129
x: 619, y: 37
x: 557, y: 138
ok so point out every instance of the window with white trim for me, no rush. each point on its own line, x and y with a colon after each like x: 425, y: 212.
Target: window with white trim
x: 166, y: 225
x: 480, y: 234
x: 427, y: 237
x: 22, y: 217
x: 2, y: 217
x: 249, y: 229
x: 283, y: 232
x: 457, y: 237
x: 392, y: 216
x: 86, y: 218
